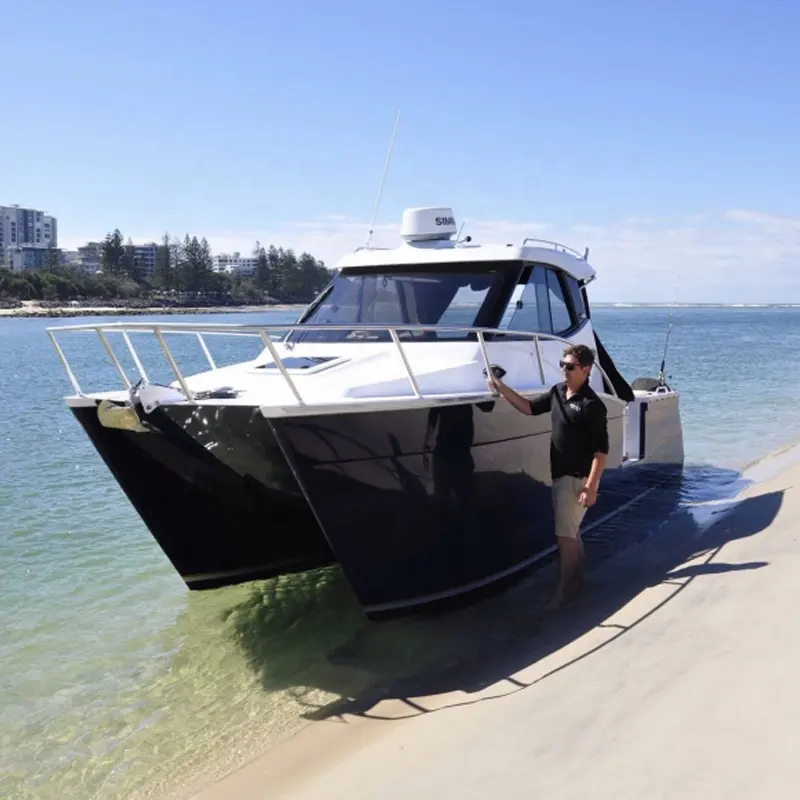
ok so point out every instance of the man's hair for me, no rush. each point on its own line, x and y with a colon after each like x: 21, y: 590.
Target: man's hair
x: 583, y: 353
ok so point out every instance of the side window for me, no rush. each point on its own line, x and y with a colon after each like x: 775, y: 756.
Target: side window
x: 528, y: 309
x: 559, y: 310
x: 516, y: 297
x: 342, y: 305
x: 463, y: 310
x: 577, y: 298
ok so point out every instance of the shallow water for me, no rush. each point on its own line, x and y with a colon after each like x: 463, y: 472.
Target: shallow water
x: 117, y: 682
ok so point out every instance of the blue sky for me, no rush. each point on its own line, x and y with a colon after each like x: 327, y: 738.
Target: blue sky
x: 664, y: 135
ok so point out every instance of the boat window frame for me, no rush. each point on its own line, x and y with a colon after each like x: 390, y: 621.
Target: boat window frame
x: 488, y: 314
x: 561, y: 275
x: 580, y: 291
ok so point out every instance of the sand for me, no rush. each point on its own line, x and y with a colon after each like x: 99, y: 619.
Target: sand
x: 674, y: 676
x: 30, y: 308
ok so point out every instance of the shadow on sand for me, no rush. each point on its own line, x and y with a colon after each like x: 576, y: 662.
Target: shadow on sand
x: 309, y: 633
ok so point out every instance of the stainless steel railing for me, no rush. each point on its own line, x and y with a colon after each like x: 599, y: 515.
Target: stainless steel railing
x: 562, y: 248
x: 199, y: 331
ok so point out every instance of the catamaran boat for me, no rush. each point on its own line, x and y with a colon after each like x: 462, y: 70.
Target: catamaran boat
x: 365, y: 434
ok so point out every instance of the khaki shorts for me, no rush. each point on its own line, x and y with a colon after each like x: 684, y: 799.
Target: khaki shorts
x: 567, y: 511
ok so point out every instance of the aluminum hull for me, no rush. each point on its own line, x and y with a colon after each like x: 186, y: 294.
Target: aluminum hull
x: 232, y: 496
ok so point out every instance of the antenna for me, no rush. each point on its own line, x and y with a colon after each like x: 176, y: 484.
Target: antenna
x: 383, y: 180
x: 662, y: 379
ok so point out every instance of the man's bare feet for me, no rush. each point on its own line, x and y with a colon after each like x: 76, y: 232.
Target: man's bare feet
x: 555, y: 603
x: 565, y: 595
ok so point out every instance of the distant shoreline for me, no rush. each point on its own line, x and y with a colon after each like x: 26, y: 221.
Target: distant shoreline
x: 32, y: 309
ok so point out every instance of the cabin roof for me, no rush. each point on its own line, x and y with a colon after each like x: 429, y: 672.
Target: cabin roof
x: 442, y: 253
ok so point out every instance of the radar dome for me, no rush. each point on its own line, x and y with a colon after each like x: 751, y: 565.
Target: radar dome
x: 428, y: 224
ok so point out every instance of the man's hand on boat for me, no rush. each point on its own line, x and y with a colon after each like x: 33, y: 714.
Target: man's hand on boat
x: 497, y: 386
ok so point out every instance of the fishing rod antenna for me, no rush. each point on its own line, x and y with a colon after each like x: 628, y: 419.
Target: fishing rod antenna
x: 662, y: 378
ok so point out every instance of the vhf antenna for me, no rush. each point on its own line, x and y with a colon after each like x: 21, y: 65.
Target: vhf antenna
x: 383, y: 179
x: 662, y: 378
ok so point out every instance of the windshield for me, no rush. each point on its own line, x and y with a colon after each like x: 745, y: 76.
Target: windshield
x: 400, y: 297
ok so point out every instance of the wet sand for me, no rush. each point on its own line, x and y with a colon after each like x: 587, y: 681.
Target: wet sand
x: 673, y: 676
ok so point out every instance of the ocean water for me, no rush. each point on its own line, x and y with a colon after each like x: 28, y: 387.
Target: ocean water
x: 117, y: 682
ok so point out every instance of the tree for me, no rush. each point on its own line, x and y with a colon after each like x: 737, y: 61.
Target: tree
x: 292, y: 286
x: 263, y: 279
x: 197, y: 264
x: 275, y: 277
x: 130, y: 265
x: 51, y: 260
x: 164, y: 277
x: 113, y: 252
x: 183, y: 266
x: 176, y: 259
x: 205, y: 266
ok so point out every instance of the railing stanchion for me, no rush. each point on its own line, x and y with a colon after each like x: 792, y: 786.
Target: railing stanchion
x: 279, y: 365
x: 134, y: 355
x: 113, y: 356
x: 539, y: 358
x: 73, y: 380
x: 486, y: 362
x: 206, y: 350
x: 411, y: 378
x: 174, y: 364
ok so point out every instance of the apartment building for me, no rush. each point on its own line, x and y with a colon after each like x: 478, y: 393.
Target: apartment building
x: 146, y: 256
x: 25, y: 227
x: 89, y: 258
x: 234, y: 264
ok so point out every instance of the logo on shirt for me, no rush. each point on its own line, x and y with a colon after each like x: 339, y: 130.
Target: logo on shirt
x: 574, y: 407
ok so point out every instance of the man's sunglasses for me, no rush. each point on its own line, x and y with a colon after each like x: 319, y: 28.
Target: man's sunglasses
x: 567, y: 365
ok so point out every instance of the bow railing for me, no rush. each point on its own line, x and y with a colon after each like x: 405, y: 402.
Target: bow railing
x: 161, y: 331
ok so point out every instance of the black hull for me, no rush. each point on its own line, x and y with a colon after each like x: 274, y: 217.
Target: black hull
x: 231, y: 496
x: 219, y: 500
x: 409, y: 531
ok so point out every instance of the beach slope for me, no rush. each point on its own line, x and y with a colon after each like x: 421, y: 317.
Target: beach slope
x: 673, y: 677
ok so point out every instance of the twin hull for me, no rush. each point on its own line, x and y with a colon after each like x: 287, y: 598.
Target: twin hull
x: 232, y: 496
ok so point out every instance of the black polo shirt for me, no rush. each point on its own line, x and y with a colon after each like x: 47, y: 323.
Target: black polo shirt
x: 579, y: 428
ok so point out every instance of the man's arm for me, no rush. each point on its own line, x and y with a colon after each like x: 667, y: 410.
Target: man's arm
x: 598, y: 436
x: 538, y: 406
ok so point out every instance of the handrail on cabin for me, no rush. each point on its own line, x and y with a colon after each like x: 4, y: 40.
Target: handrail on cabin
x: 262, y: 332
x: 584, y: 256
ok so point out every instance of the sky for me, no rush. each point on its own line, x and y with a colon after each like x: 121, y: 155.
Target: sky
x: 665, y: 136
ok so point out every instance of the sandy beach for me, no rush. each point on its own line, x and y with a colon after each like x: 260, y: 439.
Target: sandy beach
x: 674, y: 676
x: 30, y: 308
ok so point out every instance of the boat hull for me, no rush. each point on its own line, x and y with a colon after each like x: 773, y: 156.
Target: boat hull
x: 410, y: 529
x: 415, y: 505
x: 216, y: 493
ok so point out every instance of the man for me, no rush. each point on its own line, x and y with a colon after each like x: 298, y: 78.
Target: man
x: 578, y: 451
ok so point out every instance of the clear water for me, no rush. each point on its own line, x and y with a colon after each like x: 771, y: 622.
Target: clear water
x: 117, y: 682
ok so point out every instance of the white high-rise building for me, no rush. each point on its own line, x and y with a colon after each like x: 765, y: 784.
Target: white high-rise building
x: 234, y: 264
x: 26, y: 226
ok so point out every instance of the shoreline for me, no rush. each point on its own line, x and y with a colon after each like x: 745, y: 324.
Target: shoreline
x: 380, y: 726
x: 32, y: 310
